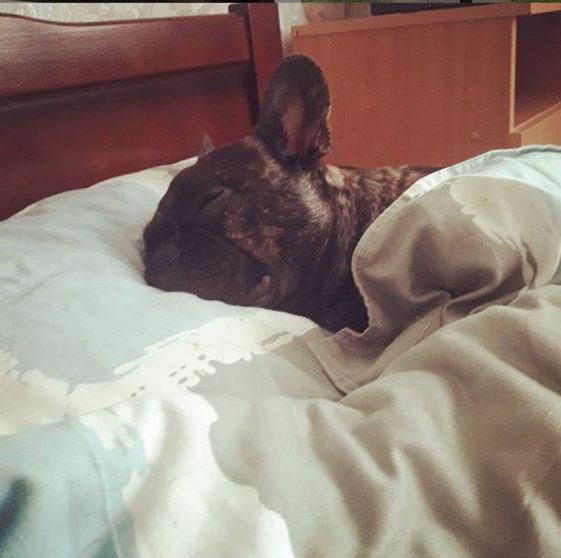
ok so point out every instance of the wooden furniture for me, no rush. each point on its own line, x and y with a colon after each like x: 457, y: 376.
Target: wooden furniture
x: 440, y: 86
x: 81, y: 103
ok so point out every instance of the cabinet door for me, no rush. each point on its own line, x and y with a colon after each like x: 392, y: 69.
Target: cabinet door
x: 433, y: 93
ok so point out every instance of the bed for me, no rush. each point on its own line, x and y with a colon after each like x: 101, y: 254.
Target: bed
x: 142, y: 423
x: 85, y: 95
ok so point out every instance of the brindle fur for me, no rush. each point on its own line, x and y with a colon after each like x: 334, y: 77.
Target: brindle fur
x: 262, y: 222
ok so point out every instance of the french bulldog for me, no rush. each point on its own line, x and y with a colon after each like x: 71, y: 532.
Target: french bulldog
x: 263, y: 222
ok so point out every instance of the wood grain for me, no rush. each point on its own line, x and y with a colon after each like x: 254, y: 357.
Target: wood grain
x: 264, y: 40
x: 454, y: 15
x: 440, y: 86
x: 82, y: 103
x: 40, y: 56
x: 49, y: 145
x: 417, y: 94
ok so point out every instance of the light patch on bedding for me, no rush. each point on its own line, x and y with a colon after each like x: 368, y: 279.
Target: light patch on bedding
x: 511, y: 213
x: 198, y: 511
x: 108, y: 429
x: 155, y: 179
x: 158, y: 179
x: 29, y: 398
x: 25, y: 210
x: 175, y: 364
x: 187, y: 356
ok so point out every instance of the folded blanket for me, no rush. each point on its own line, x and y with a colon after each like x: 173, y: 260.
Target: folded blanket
x: 477, y: 234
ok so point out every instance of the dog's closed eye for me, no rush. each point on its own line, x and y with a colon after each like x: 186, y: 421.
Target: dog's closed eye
x: 210, y: 197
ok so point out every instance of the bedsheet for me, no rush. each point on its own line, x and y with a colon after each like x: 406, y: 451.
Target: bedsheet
x: 137, y: 423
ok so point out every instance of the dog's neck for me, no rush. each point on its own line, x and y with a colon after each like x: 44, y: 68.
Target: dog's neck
x: 359, y: 196
x: 354, y: 197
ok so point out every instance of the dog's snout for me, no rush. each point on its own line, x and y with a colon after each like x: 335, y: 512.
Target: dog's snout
x: 161, y: 266
x: 166, y: 255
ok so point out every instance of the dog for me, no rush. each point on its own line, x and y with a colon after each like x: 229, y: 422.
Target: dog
x: 262, y: 222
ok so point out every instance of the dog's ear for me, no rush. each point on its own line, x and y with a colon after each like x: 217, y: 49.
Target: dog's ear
x: 293, y: 122
x: 207, y: 145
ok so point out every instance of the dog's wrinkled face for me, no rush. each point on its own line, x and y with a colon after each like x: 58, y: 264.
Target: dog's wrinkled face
x: 247, y: 224
x: 237, y: 227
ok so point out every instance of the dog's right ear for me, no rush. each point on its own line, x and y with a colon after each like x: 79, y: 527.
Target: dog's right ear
x: 293, y: 122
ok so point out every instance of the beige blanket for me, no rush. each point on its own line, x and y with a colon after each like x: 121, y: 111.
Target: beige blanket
x: 459, y: 374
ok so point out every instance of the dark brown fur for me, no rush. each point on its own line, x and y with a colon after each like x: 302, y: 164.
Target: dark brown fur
x: 262, y: 222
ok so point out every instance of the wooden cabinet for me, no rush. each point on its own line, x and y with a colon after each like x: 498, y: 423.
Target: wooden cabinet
x: 441, y: 86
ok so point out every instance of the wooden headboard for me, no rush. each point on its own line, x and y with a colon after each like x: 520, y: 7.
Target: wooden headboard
x: 80, y: 103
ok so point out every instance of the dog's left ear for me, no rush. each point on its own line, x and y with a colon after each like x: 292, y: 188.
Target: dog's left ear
x: 207, y: 145
x: 294, y: 117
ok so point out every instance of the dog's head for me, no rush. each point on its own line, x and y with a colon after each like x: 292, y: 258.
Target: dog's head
x: 250, y: 223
